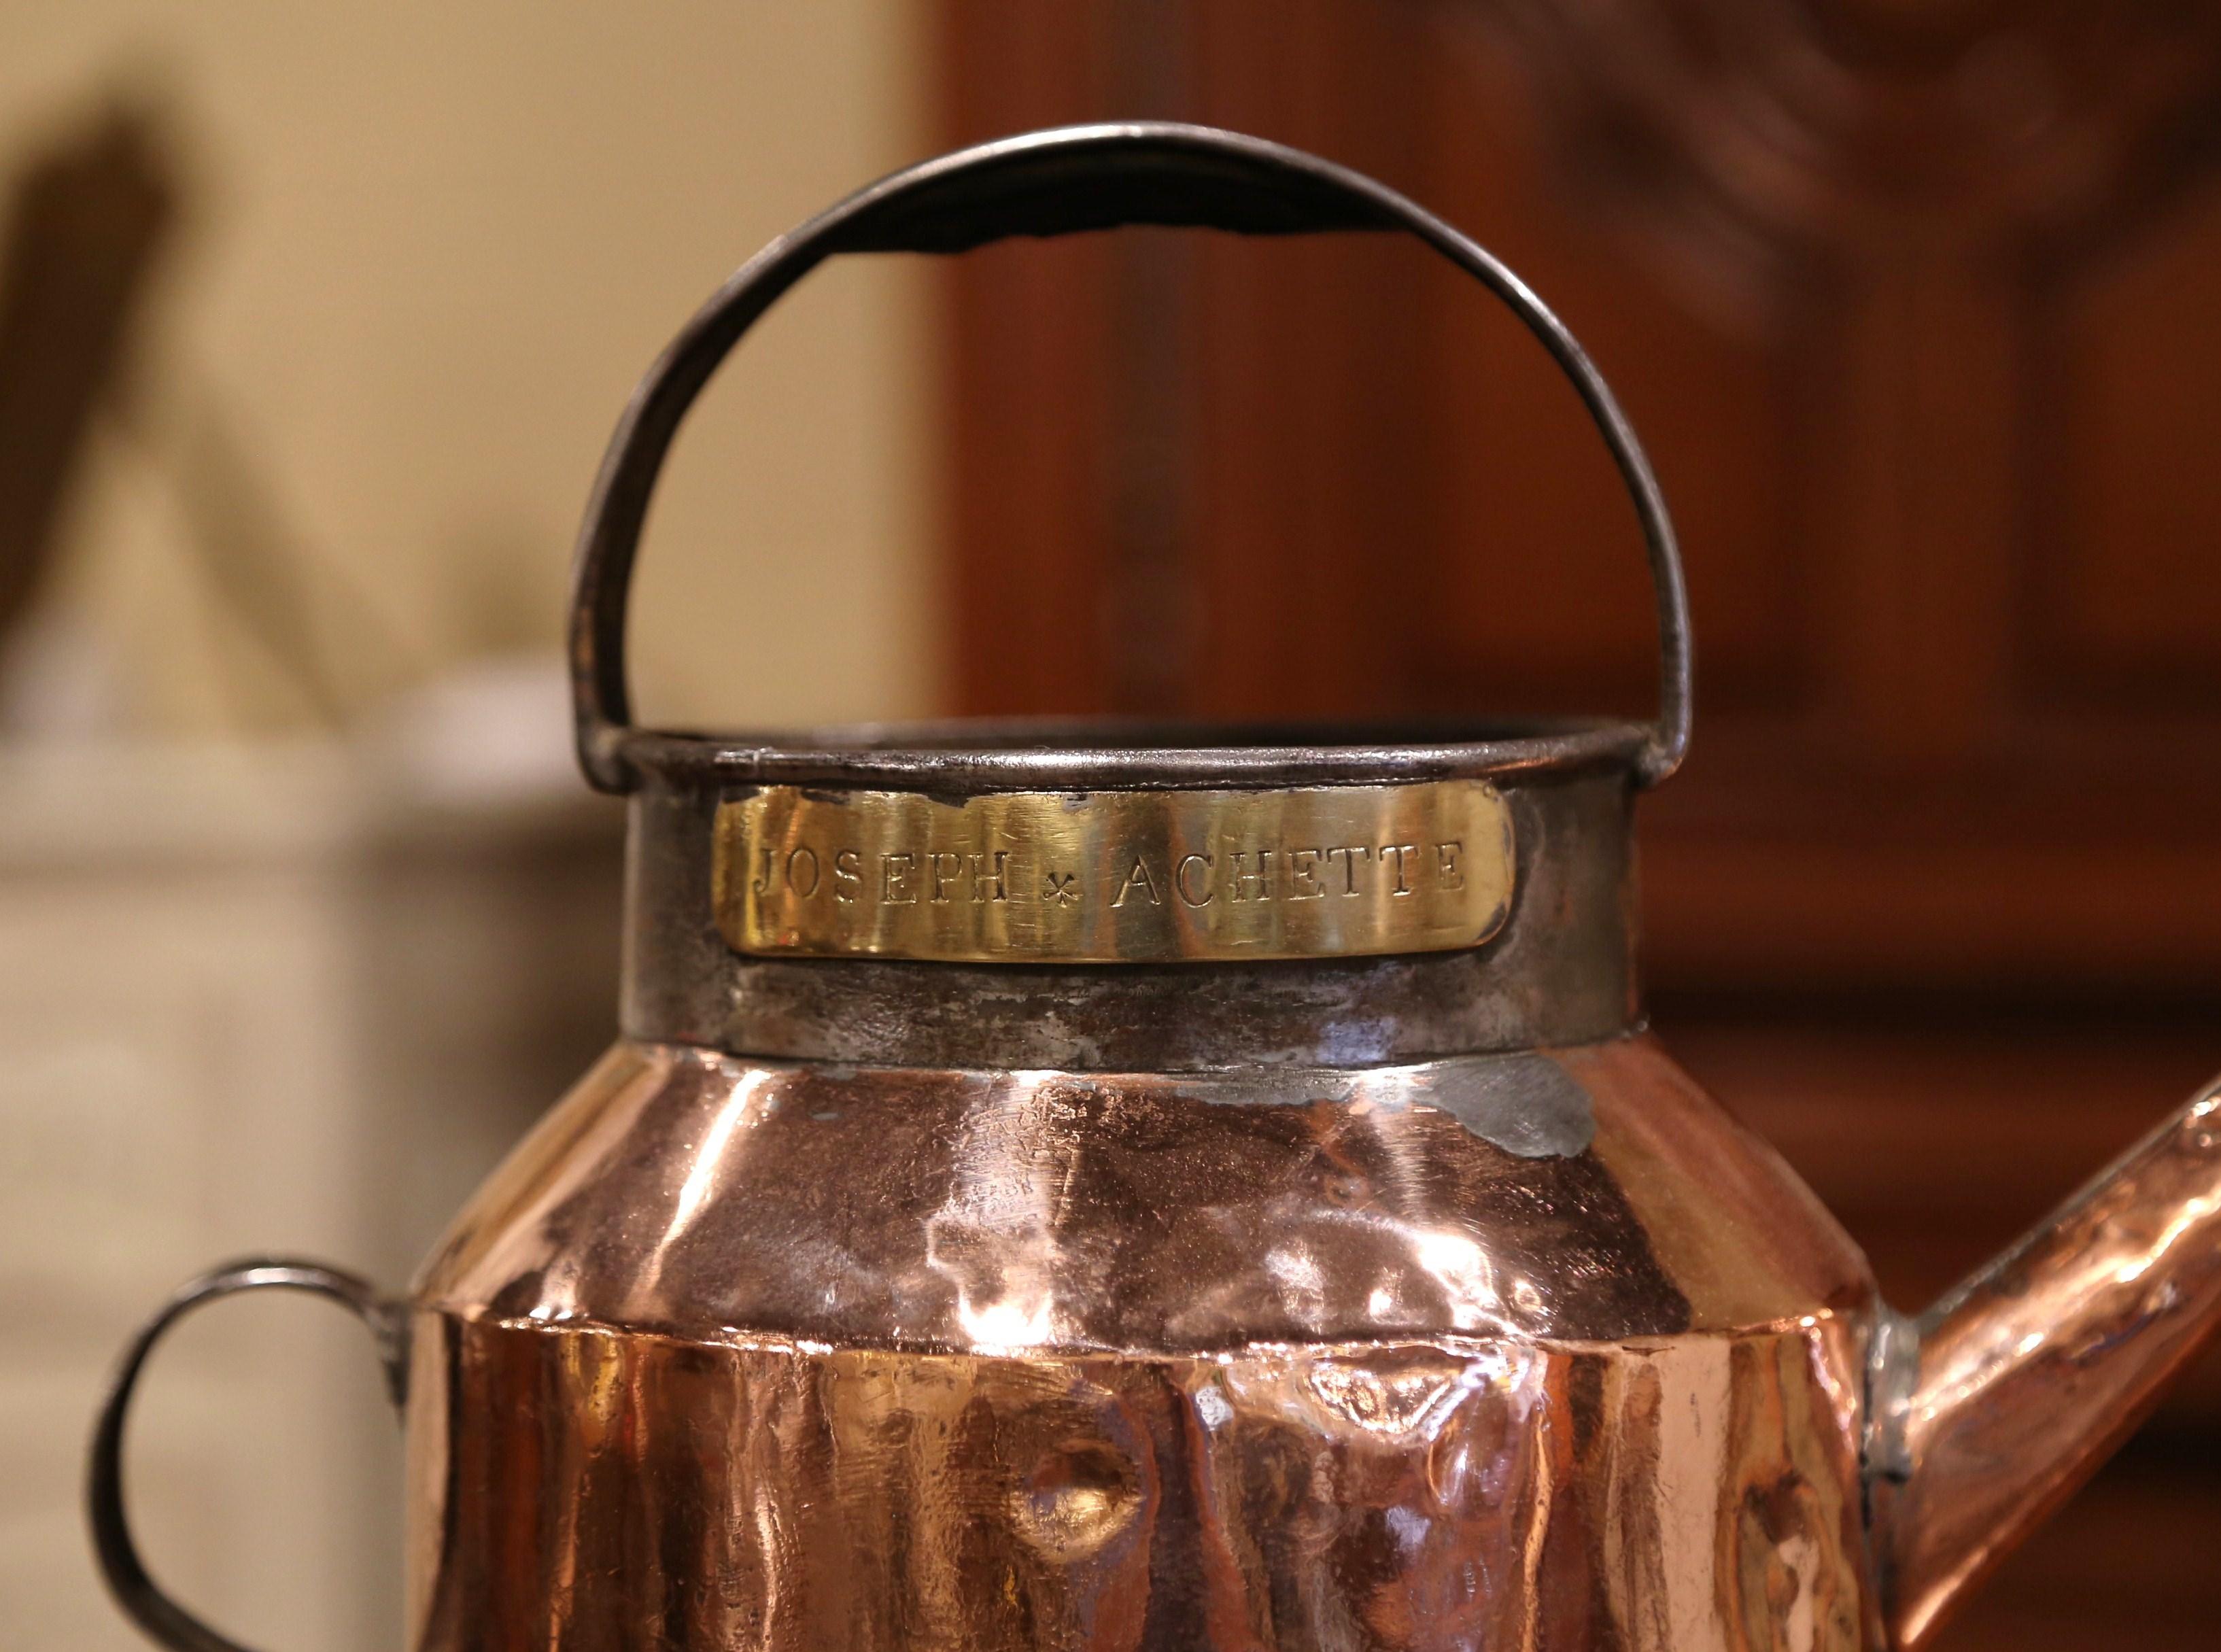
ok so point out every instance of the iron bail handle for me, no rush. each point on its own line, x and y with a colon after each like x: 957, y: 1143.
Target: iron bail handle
x: 1057, y: 182
x: 144, y: 1600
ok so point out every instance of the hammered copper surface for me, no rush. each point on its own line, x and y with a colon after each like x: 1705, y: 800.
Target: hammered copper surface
x: 1581, y: 1194
x: 1526, y: 1351
x: 582, y: 1490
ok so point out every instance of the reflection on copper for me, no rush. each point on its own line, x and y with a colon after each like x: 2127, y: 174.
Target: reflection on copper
x: 1673, y: 1496
x: 790, y: 1356
x: 1522, y: 1351
x: 701, y: 1195
x: 2014, y: 1388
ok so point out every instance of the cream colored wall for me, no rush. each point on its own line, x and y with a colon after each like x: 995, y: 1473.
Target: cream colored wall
x: 430, y: 248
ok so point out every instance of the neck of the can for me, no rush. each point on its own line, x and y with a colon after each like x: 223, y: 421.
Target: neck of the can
x: 1555, y: 969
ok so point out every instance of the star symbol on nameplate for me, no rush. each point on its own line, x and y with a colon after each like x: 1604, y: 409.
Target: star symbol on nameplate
x: 1060, y: 888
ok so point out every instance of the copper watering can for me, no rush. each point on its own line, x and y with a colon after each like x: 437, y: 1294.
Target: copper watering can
x: 1087, y: 1187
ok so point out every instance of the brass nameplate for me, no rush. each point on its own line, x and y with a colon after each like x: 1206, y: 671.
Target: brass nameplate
x: 1115, y: 877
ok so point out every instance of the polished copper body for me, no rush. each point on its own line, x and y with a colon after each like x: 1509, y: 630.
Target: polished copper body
x: 1533, y: 1350
x: 968, y: 1297
x: 1520, y: 1351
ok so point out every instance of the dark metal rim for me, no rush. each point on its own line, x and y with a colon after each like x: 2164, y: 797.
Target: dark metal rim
x: 145, y: 1601
x: 856, y: 758
x: 1056, y: 182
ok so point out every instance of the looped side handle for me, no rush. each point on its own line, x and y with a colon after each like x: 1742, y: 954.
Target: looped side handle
x: 1052, y: 183
x: 135, y: 1590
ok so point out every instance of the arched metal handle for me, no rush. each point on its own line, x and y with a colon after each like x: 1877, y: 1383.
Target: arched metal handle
x: 135, y: 1590
x: 1054, y: 183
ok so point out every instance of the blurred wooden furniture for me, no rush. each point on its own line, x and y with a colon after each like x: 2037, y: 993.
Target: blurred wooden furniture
x: 1919, y: 310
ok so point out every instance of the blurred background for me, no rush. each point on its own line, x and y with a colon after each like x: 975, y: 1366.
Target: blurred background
x: 314, y: 320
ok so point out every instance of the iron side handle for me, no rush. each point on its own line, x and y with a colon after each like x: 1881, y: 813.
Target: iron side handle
x: 135, y: 1590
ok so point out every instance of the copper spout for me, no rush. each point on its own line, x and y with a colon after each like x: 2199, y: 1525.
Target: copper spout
x: 1993, y: 1406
